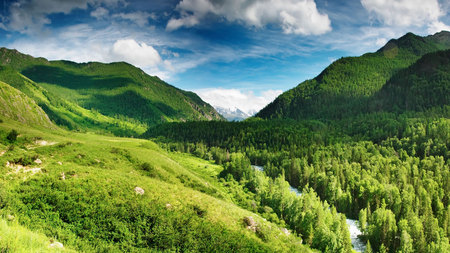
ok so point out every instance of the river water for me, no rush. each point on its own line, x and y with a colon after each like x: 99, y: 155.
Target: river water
x: 358, y: 244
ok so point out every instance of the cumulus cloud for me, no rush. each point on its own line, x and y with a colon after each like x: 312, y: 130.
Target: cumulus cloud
x: 381, y: 42
x: 246, y: 101
x: 29, y: 16
x: 437, y: 26
x: 293, y: 16
x: 139, y: 54
x: 406, y: 13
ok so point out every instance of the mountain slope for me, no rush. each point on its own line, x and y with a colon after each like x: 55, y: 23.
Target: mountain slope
x: 97, y: 193
x: 18, y: 106
x: 344, y: 86
x: 423, y: 85
x: 69, y: 114
x: 117, y: 90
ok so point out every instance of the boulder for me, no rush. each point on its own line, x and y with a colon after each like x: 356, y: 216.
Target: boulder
x: 139, y: 190
x: 250, y: 223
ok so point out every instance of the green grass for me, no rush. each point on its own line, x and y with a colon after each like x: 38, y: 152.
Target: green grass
x: 96, y: 208
x: 17, y: 238
x: 18, y: 106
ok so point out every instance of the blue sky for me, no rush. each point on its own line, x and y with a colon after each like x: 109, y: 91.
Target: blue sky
x: 233, y: 53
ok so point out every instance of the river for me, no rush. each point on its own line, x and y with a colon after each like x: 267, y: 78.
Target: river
x: 358, y: 244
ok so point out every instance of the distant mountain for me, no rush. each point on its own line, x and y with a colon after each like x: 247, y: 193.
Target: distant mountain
x: 232, y: 114
x: 345, y: 86
x: 118, y: 91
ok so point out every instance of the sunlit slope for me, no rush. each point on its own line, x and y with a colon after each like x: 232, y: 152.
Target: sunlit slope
x: 98, y: 193
x: 18, y: 106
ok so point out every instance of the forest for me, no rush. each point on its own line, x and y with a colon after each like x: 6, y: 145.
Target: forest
x: 388, y: 170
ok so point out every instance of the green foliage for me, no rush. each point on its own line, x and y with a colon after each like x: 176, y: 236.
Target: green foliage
x: 423, y: 85
x: 356, y: 165
x: 82, y: 194
x: 12, y: 136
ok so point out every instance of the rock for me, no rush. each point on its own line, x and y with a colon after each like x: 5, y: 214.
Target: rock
x: 286, y: 232
x: 10, y: 217
x: 250, y: 223
x: 60, y: 163
x: 56, y: 245
x: 139, y: 190
x: 38, y: 161
x: 168, y: 206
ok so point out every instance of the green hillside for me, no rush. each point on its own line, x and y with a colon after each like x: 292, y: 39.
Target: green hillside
x: 94, y: 193
x: 344, y: 87
x: 117, y: 90
x: 423, y: 85
x: 18, y: 106
x: 69, y: 114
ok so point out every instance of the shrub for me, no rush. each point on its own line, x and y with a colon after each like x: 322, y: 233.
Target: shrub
x: 12, y: 136
x: 147, y: 167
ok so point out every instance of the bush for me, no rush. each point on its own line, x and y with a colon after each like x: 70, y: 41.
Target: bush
x: 12, y: 136
x: 147, y: 167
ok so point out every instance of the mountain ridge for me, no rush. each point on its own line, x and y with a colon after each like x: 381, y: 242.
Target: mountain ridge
x: 343, y: 88
x: 117, y: 90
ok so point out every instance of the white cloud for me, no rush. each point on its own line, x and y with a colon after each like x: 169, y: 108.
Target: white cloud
x: 137, y: 54
x: 246, y: 101
x: 293, y: 16
x: 406, y: 13
x: 100, y: 13
x: 381, y: 42
x: 437, y: 26
x: 29, y: 16
x: 140, y: 18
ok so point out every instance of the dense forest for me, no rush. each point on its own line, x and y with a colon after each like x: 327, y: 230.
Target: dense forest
x: 393, y: 176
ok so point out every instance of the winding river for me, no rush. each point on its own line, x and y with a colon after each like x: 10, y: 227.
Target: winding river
x: 358, y: 244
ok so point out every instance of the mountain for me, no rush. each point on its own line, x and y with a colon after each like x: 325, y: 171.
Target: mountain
x: 115, y: 90
x: 232, y: 114
x: 345, y: 86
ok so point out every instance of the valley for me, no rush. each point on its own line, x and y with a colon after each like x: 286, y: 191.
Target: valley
x: 104, y: 158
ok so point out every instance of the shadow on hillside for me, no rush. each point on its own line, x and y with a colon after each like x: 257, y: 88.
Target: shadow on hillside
x: 130, y: 104
x: 71, y: 80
